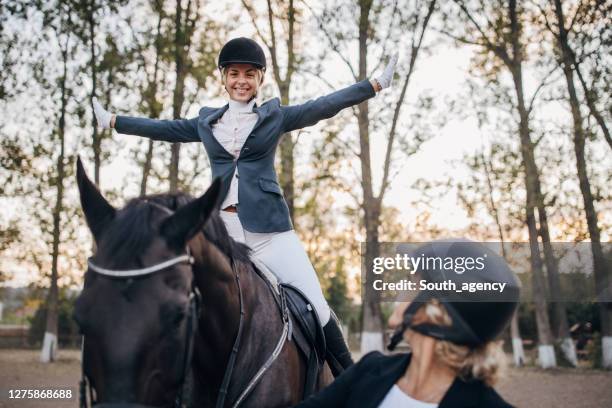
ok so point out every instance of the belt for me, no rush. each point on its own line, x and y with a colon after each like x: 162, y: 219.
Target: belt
x: 231, y: 208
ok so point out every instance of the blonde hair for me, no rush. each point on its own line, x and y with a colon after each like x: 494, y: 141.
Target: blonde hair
x: 260, y: 74
x: 486, y: 363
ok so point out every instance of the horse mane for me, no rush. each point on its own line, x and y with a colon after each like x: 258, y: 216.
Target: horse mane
x: 135, y: 225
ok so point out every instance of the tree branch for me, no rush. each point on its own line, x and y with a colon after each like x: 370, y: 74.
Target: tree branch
x: 332, y: 44
x: 413, y: 57
x: 547, y: 80
x: 273, y: 48
x: 500, y: 51
x: 253, y: 17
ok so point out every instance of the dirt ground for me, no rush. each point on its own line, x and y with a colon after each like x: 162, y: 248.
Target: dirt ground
x: 525, y: 387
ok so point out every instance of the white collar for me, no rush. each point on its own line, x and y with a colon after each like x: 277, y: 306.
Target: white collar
x: 241, y: 107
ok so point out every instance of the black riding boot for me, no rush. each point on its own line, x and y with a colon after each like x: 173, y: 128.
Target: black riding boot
x: 338, y: 355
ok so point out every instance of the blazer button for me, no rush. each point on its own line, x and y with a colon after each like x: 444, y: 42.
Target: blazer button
x: 237, y: 175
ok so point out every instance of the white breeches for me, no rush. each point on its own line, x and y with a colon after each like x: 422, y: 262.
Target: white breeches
x: 283, y: 254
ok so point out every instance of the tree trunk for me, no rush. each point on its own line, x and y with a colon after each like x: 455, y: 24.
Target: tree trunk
x: 178, y: 96
x: 146, y: 169
x: 601, y: 272
x: 518, y: 353
x: 49, y: 348
x: 151, y: 99
x: 286, y: 176
x: 287, y: 145
x: 546, y: 354
x: 559, y: 317
x: 372, y: 330
x: 96, y: 139
x: 590, y: 97
x: 517, y: 342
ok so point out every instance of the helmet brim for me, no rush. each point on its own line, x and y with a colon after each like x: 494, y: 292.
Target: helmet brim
x: 239, y: 61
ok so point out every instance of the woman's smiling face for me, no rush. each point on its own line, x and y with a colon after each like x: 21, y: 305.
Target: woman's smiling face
x: 242, y: 81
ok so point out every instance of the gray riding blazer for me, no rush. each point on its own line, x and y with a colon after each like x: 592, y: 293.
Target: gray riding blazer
x: 262, y: 207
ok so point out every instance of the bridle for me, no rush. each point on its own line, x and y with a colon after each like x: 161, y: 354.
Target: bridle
x: 192, y: 321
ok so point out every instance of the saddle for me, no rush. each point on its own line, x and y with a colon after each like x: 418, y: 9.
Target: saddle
x: 304, y: 324
x: 309, y: 337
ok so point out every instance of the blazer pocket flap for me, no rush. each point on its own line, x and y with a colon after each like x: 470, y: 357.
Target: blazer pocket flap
x: 270, y: 186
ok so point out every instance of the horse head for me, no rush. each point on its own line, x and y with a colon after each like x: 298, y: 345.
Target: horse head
x: 137, y: 305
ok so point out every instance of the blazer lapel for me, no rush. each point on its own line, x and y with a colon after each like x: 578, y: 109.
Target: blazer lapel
x: 261, y: 112
x: 208, y: 120
x: 461, y: 394
x: 208, y: 134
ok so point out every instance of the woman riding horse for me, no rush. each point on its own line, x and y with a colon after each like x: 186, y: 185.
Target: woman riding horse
x: 168, y: 292
x: 241, y: 139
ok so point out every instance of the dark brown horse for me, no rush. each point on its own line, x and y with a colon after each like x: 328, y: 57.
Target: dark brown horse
x: 134, y: 310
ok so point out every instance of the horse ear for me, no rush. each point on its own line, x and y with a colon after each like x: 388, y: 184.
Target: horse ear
x: 185, y: 223
x: 98, y: 212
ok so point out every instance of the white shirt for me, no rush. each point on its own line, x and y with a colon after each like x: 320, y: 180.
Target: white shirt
x: 396, y: 398
x: 231, y: 131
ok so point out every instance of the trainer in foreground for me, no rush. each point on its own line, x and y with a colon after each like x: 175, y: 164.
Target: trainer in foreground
x: 454, y: 360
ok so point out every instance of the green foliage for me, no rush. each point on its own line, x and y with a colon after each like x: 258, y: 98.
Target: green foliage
x: 583, y: 312
x: 595, y: 351
x: 337, y: 291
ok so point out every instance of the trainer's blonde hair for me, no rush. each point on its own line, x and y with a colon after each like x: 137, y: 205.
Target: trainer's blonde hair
x: 486, y: 363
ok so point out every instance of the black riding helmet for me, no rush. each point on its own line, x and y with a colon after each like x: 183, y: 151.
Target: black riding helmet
x: 477, y: 317
x: 242, y: 51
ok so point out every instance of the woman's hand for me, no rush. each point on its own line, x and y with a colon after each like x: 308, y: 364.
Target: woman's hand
x: 106, y: 120
x: 384, y: 80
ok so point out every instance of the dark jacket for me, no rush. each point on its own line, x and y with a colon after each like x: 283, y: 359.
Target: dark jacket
x: 262, y: 207
x: 366, y: 384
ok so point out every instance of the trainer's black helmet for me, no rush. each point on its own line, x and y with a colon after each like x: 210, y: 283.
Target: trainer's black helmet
x: 477, y: 317
x: 242, y: 51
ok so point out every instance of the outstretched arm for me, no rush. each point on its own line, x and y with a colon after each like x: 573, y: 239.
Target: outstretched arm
x: 181, y: 130
x: 325, y: 107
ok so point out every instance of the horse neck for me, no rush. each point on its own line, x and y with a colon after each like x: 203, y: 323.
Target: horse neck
x: 219, y: 318
x: 215, y: 277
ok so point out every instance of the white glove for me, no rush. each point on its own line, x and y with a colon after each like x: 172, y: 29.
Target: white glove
x: 387, y: 76
x: 103, y: 116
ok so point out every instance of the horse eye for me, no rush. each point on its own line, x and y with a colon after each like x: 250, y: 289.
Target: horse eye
x: 175, y: 283
x: 173, y: 316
